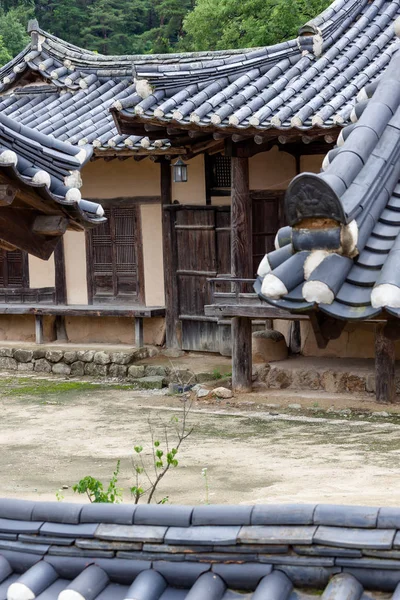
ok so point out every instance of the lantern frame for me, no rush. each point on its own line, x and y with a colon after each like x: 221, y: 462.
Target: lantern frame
x: 180, y: 171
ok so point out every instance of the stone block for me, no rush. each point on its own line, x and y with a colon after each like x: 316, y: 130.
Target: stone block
x: 136, y: 371
x: 354, y: 383
x: 121, y: 358
x: 307, y: 380
x: 85, y: 355
x: 78, y: 369
x: 39, y: 353
x: 61, y: 369
x: 70, y: 357
x: 155, y: 371
x: 148, y: 383
x: 6, y: 352
x: 102, y: 358
x: 118, y: 371
x: 173, y: 353
x: 276, y: 534
x: 95, y: 370
x: 8, y: 364
x: 23, y: 356
x: 54, y: 356
x: 222, y: 392
x: 279, y: 379
x: 25, y: 367
x: 332, y: 382
x: 370, y: 384
x: 42, y: 366
x: 268, y: 345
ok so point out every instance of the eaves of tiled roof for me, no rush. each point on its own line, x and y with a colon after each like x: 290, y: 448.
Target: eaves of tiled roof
x: 62, y: 551
x: 306, y: 84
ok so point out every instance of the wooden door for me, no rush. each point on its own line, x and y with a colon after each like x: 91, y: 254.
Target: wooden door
x: 115, y: 265
x: 203, y: 251
x: 267, y: 207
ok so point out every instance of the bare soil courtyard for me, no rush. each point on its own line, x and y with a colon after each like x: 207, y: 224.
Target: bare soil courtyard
x: 256, y: 449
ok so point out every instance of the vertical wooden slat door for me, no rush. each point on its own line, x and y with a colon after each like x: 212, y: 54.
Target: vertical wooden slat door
x: 114, y: 273
x: 201, y: 253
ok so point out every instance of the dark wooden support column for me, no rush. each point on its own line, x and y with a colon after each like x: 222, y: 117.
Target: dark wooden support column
x: 173, y: 328
x: 241, y: 266
x: 385, y: 379
x: 60, y: 278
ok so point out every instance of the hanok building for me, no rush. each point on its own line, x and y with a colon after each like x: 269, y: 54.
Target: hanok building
x: 245, y: 122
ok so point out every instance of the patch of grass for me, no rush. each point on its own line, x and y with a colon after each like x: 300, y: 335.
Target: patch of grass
x: 25, y: 386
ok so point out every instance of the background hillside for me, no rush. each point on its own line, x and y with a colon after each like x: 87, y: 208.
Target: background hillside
x: 155, y: 26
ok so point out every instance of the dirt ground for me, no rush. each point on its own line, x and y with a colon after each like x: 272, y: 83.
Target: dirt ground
x: 256, y: 449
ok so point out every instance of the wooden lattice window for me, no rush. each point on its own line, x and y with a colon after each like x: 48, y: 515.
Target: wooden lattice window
x: 14, y: 271
x: 114, y: 258
x: 221, y: 171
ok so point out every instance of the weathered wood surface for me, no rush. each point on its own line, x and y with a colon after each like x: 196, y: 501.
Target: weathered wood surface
x: 82, y: 310
x: 7, y: 194
x: 39, y: 329
x: 241, y: 266
x: 173, y: 326
x: 60, y: 274
x: 251, y: 311
x: 52, y: 225
x: 139, y: 339
x: 385, y: 380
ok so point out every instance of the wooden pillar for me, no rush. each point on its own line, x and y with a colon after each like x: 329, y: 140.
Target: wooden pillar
x: 173, y: 327
x: 385, y: 380
x: 60, y: 278
x: 241, y: 266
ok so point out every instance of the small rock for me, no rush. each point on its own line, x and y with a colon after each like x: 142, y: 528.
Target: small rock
x: 202, y: 392
x: 381, y: 413
x: 295, y: 406
x: 65, y: 487
x: 42, y: 366
x: 140, y: 354
x: 70, y: 357
x: 149, y: 383
x: 25, y: 367
x: 95, y: 370
x: 271, y: 405
x: 119, y: 371
x: 61, y: 369
x: 78, y: 369
x: 101, y: 358
x: 222, y: 392
x: 23, y: 356
x: 8, y: 364
x: 6, y: 352
x: 85, y: 355
x: 345, y: 411
x: 121, y: 358
x: 136, y: 371
x: 54, y: 356
x: 155, y: 371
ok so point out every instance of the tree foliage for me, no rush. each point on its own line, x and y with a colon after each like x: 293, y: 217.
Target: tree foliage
x: 156, y: 26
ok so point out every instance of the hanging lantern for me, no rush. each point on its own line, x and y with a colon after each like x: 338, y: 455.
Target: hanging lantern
x: 180, y: 171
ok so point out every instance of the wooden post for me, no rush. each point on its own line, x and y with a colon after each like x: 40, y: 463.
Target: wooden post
x: 60, y: 278
x: 39, y: 329
x: 385, y: 380
x: 241, y: 266
x: 173, y: 326
x: 139, y: 332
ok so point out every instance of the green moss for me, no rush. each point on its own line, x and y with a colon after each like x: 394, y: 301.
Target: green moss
x: 27, y: 386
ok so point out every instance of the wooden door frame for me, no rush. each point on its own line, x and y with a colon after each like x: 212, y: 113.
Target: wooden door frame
x: 108, y: 203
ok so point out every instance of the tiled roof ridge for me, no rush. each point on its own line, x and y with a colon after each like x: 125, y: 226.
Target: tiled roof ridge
x: 340, y: 250
x: 67, y: 551
x: 309, y: 85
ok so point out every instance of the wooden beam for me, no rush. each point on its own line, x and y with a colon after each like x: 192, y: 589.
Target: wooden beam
x: 173, y: 325
x: 60, y: 276
x: 241, y: 266
x: 7, y: 194
x: 6, y: 246
x: 385, y: 380
x: 50, y: 225
x: 16, y: 229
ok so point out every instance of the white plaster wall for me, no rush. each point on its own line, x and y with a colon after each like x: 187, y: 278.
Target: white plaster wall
x: 152, y: 254
x: 271, y: 170
x: 75, y: 267
x: 311, y: 163
x: 41, y: 272
x: 115, y: 178
x: 194, y: 190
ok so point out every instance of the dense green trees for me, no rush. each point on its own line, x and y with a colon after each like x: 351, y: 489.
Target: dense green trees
x: 155, y: 26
